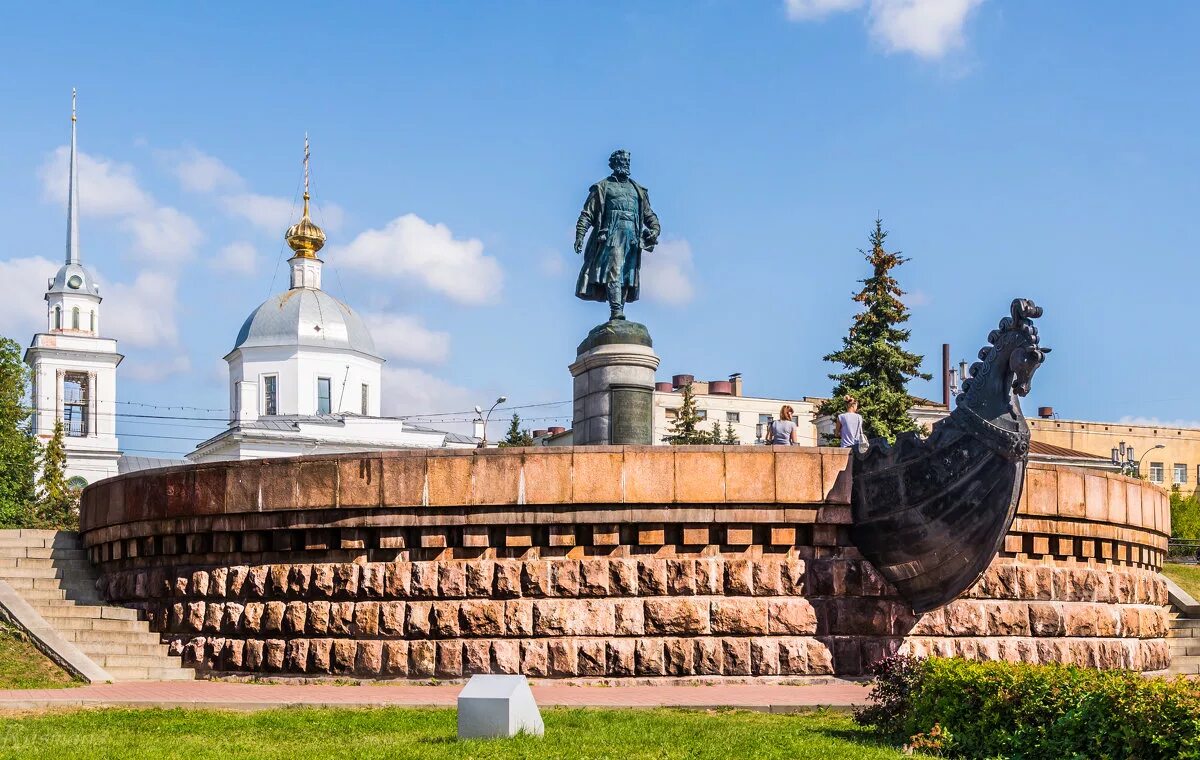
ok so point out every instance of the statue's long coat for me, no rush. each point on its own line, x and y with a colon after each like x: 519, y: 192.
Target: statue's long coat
x: 590, y: 289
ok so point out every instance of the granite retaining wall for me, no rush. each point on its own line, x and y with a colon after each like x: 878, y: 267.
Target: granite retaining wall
x: 605, y: 562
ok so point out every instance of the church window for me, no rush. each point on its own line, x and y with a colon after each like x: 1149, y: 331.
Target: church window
x: 57, y: 317
x: 75, y: 404
x: 270, y: 394
x: 93, y: 321
x: 366, y: 399
x: 323, y: 395
x: 77, y: 483
x: 75, y: 318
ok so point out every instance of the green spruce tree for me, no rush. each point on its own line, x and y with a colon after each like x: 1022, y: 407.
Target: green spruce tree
x: 686, y: 428
x: 18, y: 447
x: 58, y: 502
x: 877, y: 366
x: 731, y: 436
x: 516, y: 436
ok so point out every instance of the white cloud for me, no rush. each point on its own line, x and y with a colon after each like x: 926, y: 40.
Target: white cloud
x: 667, y: 273
x: 804, y: 10
x: 408, y: 391
x: 139, y: 314
x: 275, y: 214
x: 109, y: 189
x: 202, y: 173
x: 926, y: 28
x: 238, y: 258
x: 163, y: 235
x: 142, y: 313
x: 410, y: 247
x: 106, y: 188
x: 22, y: 311
x: 1156, y: 422
x: 155, y: 369
x: 404, y: 337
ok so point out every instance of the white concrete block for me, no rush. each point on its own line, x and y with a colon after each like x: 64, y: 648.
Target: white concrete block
x: 497, y: 706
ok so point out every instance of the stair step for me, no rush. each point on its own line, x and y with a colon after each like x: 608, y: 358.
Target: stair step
x: 31, y: 595
x: 87, y: 637
x: 31, y: 572
x: 66, y: 610
x: 43, y: 562
x: 60, y: 552
x: 152, y: 674
x: 121, y: 646
x: 7, y: 542
x: 136, y: 661
x: 94, y: 624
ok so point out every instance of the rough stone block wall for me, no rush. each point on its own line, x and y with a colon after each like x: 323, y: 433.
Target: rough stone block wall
x: 609, y: 562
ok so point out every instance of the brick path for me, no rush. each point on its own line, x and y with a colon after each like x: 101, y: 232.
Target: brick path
x: 242, y: 696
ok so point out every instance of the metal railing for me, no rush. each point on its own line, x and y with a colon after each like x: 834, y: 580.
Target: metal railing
x: 1183, y: 550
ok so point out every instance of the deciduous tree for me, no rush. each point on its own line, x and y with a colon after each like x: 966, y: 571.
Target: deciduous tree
x: 18, y: 447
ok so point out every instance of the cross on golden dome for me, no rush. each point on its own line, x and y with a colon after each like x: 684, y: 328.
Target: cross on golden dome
x: 305, y: 237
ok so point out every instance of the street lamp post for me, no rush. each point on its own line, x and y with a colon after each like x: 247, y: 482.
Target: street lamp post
x: 486, y: 418
x: 1122, y: 456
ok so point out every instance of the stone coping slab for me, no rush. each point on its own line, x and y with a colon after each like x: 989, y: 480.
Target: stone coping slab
x: 633, y: 475
x: 835, y: 694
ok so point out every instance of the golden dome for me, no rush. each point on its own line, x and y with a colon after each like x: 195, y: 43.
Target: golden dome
x: 305, y: 237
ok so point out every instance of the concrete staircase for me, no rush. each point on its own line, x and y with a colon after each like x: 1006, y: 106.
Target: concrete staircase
x: 1184, y: 638
x: 50, y: 571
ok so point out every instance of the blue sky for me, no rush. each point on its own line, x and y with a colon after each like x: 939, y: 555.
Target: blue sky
x: 1042, y: 150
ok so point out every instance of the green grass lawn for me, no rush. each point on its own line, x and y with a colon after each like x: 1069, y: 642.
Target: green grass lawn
x: 398, y: 734
x: 24, y: 667
x: 1187, y: 576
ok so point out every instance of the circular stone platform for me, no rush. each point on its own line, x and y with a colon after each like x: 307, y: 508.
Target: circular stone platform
x: 601, y: 562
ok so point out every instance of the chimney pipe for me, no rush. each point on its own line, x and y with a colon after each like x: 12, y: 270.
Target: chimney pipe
x: 946, y: 375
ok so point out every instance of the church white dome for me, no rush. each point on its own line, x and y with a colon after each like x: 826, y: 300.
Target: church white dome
x: 306, y: 317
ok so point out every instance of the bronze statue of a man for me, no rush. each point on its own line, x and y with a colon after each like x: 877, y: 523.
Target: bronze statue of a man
x: 623, y: 225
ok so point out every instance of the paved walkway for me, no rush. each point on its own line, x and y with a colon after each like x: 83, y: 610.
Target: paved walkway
x: 243, y: 696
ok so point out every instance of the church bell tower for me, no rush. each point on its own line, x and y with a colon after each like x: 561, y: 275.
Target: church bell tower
x: 74, y: 369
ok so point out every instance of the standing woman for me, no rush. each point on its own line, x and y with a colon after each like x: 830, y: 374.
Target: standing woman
x: 783, y: 431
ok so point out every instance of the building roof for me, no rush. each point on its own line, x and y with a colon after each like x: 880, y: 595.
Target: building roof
x: 1038, y: 448
x: 129, y: 463
x: 305, y: 317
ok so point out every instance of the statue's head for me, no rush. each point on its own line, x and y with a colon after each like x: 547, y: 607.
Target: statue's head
x: 619, y: 163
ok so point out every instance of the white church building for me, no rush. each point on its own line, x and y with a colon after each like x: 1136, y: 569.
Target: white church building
x: 74, y: 368
x: 304, y: 373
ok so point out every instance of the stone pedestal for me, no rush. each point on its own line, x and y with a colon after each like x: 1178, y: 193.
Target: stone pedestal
x: 614, y: 385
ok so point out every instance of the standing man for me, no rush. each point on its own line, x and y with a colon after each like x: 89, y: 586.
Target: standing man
x: 849, y: 425
x: 623, y: 225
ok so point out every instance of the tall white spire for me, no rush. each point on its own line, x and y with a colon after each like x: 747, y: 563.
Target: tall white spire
x: 73, y: 197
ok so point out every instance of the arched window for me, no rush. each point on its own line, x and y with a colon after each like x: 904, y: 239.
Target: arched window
x: 57, y: 317
x: 75, y: 318
x: 93, y: 327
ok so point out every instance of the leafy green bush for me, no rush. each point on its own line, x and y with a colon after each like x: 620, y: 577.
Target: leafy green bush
x: 997, y: 709
x: 1185, y: 516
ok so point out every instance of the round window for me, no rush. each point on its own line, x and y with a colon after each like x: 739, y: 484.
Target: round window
x: 75, y: 282
x: 77, y: 483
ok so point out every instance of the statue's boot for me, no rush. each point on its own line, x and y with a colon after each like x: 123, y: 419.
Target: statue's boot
x: 616, y: 302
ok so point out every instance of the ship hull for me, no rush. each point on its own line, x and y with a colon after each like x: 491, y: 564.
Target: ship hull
x: 931, y: 515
